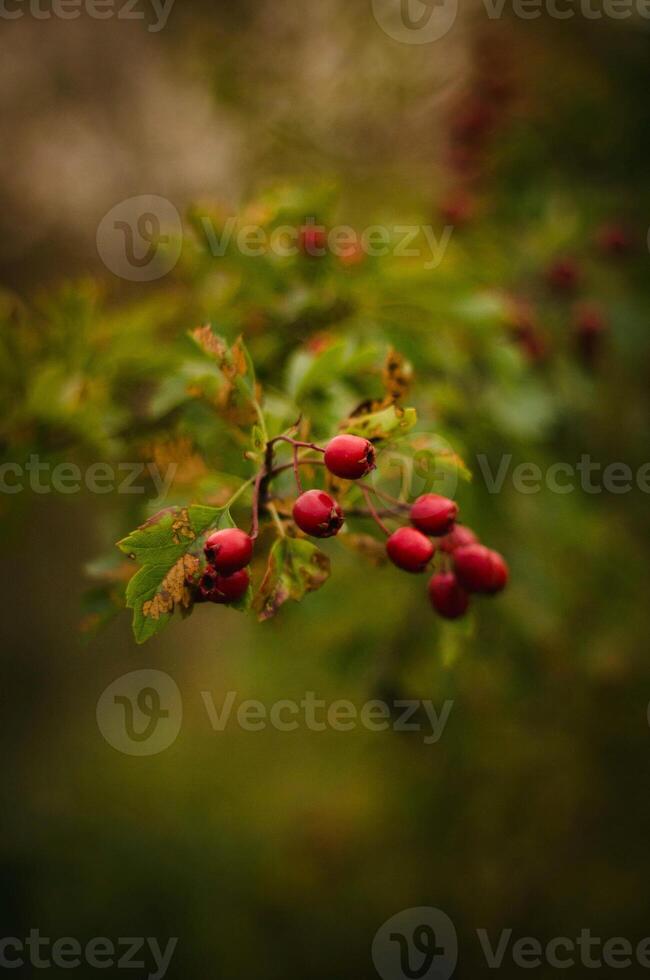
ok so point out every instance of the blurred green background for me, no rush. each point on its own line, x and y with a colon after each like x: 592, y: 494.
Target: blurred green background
x: 279, y: 854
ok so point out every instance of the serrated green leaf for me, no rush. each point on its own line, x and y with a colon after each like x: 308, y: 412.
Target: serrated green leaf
x: 168, y: 548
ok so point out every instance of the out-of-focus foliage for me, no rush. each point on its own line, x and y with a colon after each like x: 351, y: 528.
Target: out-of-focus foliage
x: 531, y: 812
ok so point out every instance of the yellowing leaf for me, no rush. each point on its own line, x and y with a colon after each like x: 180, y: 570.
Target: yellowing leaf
x: 167, y: 547
x: 295, y: 568
x: 386, y: 423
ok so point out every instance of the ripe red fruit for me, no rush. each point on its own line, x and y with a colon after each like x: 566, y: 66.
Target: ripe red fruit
x: 409, y: 549
x: 350, y: 457
x: 458, y: 537
x: 228, y: 550
x: 479, y: 569
x: 433, y: 514
x: 447, y: 596
x: 224, y: 588
x: 318, y: 514
x: 312, y: 240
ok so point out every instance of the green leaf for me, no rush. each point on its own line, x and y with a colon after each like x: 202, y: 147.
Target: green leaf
x: 295, y: 568
x: 391, y: 421
x: 168, y: 547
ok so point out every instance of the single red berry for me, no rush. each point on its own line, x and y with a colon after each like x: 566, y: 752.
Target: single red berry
x: 564, y: 275
x: 447, y: 596
x: 312, y: 240
x: 224, y: 588
x: 433, y: 514
x: 318, y: 514
x: 458, y: 537
x: 350, y: 457
x: 479, y: 569
x: 500, y: 573
x: 229, y: 550
x: 410, y: 549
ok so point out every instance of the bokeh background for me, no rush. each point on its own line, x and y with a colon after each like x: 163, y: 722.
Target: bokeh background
x: 275, y: 854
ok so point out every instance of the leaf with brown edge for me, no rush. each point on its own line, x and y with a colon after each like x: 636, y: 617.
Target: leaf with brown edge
x: 387, y: 423
x: 296, y: 567
x: 210, y: 343
x: 239, y: 387
x: 168, y: 547
x: 172, y: 589
x: 397, y: 376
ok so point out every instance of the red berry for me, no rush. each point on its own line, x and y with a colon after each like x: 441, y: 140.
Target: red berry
x: 312, y: 240
x: 409, y: 549
x: 500, y: 573
x: 448, y: 597
x: 228, y: 550
x: 433, y: 514
x: 224, y: 588
x: 350, y: 457
x: 479, y: 569
x: 458, y: 537
x: 318, y: 514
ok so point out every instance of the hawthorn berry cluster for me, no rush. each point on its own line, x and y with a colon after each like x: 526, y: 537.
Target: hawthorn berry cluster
x: 464, y: 566
x: 467, y: 566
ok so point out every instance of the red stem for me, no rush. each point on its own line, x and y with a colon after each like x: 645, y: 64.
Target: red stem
x: 373, y: 513
x: 391, y: 500
x: 255, y: 527
x: 296, y: 443
x: 296, y: 469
